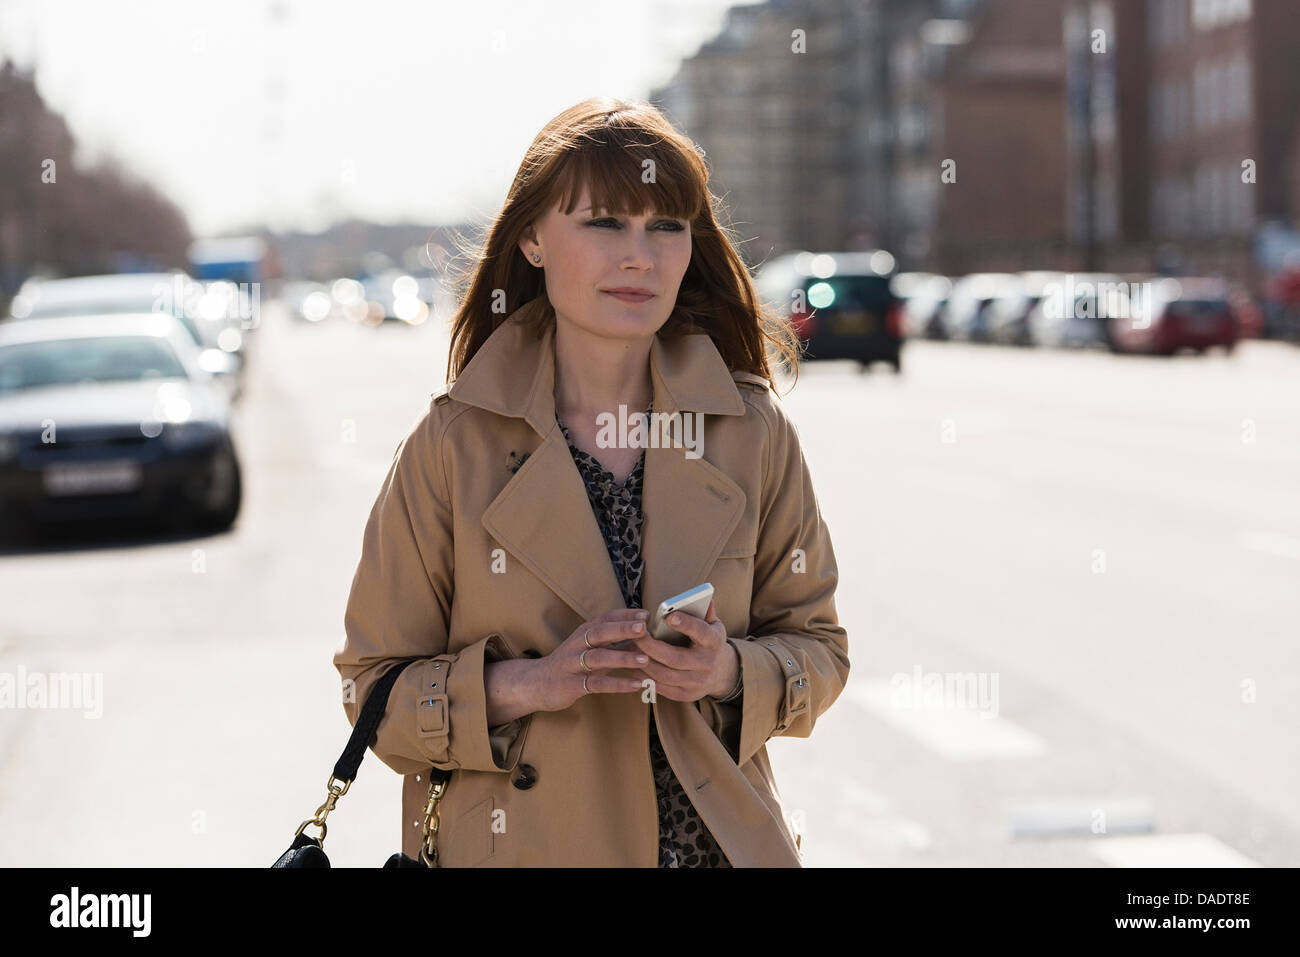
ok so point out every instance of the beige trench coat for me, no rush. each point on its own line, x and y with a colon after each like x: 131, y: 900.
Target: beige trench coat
x: 469, y: 558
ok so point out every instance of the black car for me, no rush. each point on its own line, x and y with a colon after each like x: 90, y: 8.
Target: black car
x: 841, y: 303
x: 112, y: 416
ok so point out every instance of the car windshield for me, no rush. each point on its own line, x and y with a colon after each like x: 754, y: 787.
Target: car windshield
x: 848, y: 292
x: 55, y: 362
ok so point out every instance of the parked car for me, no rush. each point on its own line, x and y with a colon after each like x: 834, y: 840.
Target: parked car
x: 923, y: 294
x: 965, y: 317
x: 1075, y: 309
x: 841, y: 303
x: 172, y: 293
x: 1008, y: 313
x: 113, y: 416
x: 1190, y: 313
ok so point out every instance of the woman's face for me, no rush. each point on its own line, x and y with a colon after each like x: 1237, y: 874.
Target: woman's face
x: 587, y: 253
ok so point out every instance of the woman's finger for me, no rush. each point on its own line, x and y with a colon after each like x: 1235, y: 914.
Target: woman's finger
x: 678, y: 659
x: 609, y: 632
x: 666, y: 677
x: 700, y: 631
x: 670, y: 691
x: 608, y: 684
x: 605, y: 659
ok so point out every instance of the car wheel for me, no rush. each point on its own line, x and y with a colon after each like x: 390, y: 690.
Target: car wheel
x: 221, y: 519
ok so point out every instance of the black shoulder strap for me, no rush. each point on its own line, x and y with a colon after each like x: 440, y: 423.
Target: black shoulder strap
x: 363, y: 732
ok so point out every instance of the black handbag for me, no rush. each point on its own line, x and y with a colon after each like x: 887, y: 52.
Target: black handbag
x: 308, y: 851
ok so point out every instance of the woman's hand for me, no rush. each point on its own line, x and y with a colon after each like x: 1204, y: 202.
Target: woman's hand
x: 708, y: 666
x: 560, y: 674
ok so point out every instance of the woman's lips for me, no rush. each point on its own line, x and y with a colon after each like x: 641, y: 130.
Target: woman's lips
x: 629, y: 296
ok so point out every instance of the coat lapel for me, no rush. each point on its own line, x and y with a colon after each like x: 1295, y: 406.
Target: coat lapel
x: 543, y: 517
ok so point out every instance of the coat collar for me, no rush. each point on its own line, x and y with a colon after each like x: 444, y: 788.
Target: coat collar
x: 513, y: 373
x: 543, y: 516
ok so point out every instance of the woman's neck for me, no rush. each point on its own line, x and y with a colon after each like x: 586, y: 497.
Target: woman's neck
x: 594, y: 375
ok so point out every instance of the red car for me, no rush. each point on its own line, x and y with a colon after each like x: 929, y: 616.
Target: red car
x: 1168, y: 315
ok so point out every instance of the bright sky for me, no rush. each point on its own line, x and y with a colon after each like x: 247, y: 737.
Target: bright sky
x: 381, y: 109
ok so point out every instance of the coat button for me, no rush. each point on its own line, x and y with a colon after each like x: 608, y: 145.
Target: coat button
x: 526, y: 777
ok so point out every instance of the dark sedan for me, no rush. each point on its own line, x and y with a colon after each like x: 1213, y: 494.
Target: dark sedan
x: 113, y: 416
x: 842, y: 304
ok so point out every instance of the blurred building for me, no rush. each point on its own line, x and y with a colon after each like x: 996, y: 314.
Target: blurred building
x: 1208, y: 131
x: 1075, y: 134
x: 1002, y: 186
x: 1180, y: 137
x: 921, y: 35
x: 818, y: 119
x: 743, y: 97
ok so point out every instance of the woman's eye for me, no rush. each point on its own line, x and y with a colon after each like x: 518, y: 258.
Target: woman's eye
x: 669, y: 226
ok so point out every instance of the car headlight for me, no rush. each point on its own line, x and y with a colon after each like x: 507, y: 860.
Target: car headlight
x: 190, y: 434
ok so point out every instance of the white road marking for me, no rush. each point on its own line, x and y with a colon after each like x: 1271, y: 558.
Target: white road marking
x: 961, y: 734
x: 1077, y: 816
x: 1169, y: 850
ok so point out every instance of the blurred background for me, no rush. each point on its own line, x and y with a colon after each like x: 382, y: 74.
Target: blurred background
x: 1045, y: 259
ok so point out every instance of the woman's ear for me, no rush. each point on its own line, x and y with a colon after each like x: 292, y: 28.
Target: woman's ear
x: 528, y: 245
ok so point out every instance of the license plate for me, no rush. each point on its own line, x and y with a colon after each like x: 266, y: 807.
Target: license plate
x: 852, y: 323
x: 94, y: 478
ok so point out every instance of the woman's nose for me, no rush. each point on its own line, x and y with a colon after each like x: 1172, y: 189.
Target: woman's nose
x: 639, y: 251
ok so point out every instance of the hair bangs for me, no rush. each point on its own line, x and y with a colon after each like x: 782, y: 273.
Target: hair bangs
x: 616, y: 174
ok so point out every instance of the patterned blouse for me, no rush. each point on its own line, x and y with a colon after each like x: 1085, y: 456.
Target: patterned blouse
x: 684, y: 840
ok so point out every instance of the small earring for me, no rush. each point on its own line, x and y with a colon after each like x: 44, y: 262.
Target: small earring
x: 536, y: 258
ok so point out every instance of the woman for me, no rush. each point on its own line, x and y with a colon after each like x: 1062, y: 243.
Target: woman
x: 515, y: 550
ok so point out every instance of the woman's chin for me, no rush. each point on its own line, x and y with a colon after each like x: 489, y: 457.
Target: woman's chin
x: 620, y: 324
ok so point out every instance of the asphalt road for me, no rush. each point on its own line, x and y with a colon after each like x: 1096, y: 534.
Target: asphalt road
x: 1104, y: 549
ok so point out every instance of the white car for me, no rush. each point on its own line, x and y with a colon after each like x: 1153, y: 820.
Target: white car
x: 965, y: 317
x: 174, y: 293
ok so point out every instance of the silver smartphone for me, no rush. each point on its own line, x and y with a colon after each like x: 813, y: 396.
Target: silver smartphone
x: 693, y: 601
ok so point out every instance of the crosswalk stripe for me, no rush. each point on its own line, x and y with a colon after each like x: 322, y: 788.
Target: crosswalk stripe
x: 957, y: 733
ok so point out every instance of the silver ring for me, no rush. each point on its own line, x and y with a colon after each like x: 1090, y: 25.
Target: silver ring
x: 586, y: 636
x: 584, y: 685
x: 582, y: 661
